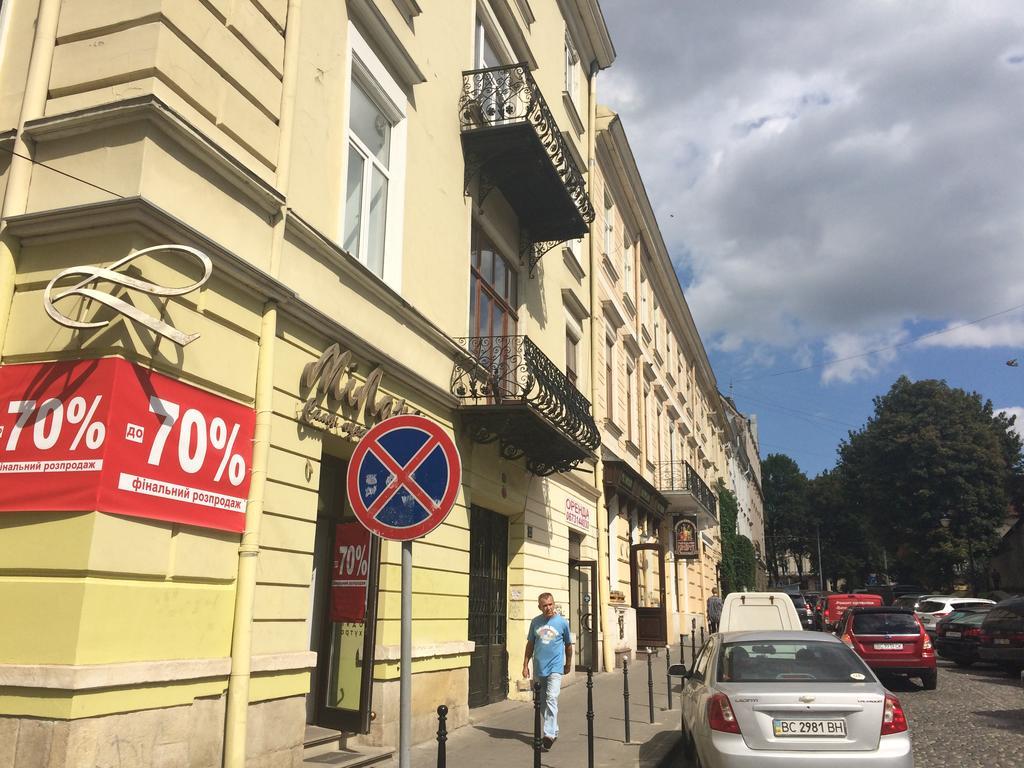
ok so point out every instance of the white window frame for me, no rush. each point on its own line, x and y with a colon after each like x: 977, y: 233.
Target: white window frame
x: 574, y: 330
x: 572, y: 72
x: 369, y: 72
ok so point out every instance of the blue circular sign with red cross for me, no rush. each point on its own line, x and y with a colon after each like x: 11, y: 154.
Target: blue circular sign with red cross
x: 404, y: 477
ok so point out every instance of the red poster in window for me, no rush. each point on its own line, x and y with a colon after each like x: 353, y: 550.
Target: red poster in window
x: 112, y: 436
x: 350, y: 571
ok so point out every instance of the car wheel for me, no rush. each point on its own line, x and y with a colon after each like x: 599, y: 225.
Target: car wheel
x: 930, y: 680
x: 963, y: 663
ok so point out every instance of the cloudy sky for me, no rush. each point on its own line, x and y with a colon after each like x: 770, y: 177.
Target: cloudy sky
x: 841, y: 185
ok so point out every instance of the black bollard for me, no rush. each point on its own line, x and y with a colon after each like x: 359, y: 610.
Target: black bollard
x: 537, y: 704
x: 590, y: 717
x: 650, y: 685
x: 668, y: 677
x: 625, y: 693
x: 701, y: 635
x: 442, y: 736
x: 693, y: 649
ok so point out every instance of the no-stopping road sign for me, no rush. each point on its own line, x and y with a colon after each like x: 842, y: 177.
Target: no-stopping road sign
x: 403, y: 477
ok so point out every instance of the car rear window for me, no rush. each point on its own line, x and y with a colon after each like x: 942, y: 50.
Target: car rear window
x: 971, y: 619
x: 798, y: 601
x: 1005, y: 618
x: 885, y: 624
x: 782, y: 662
x: 931, y: 606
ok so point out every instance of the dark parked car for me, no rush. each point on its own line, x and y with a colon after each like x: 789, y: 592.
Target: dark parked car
x: 1002, y: 635
x: 804, y: 611
x: 957, y: 636
x: 891, y: 641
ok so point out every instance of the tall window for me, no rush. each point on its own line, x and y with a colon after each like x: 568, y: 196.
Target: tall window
x: 371, y: 225
x: 609, y: 226
x: 572, y: 72
x: 631, y: 403
x: 627, y: 264
x: 572, y: 344
x: 609, y: 377
x: 494, y: 293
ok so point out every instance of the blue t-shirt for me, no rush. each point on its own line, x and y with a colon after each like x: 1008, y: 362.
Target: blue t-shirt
x: 549, y: 638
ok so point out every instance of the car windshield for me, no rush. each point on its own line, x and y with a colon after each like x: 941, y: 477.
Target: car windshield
x: 885, y: 624
x: 789, y: 661
x: 931, y: 606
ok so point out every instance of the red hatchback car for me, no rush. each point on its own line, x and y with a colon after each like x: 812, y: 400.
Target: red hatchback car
x: 891, y: 641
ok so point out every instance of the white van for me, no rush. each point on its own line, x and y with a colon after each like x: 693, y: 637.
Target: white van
x: 744, y: 611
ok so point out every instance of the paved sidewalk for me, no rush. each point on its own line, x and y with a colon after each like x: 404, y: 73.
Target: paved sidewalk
x: 501, y: 736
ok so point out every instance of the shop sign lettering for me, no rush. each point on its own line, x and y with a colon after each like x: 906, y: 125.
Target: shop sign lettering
x: 94, y: 276
x: 577, y: 515
x: 332, y: 379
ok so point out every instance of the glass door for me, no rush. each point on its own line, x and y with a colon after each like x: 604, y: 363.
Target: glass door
x: 582, y: 611
x: 346, y: 563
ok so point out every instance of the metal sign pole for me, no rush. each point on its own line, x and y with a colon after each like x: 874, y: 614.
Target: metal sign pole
x: 405, y: 678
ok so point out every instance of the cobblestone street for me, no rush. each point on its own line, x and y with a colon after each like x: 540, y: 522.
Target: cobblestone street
x: 974, y: 719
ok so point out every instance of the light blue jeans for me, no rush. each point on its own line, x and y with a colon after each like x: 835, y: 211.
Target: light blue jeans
x: 553, y: 686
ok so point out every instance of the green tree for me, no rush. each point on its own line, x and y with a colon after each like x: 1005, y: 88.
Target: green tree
x: 932, y: 454
x: 846, y: 537
x: 786, y: 517
x: 739, y: 562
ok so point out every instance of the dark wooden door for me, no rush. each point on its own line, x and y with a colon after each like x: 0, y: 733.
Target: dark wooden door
x: 488, y: 583
x: 647, y: 573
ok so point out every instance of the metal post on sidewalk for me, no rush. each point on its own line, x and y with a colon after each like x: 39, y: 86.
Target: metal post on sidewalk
x: 442, y: 736
x: 702, y: 635
x: 625, y: 692
x: 693, y: 648
x: 650, y: 683
x: 536, y: 724
x: 590, y: 717
x: 668, y: 677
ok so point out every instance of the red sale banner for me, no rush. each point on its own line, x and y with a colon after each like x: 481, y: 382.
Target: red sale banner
x: 350, y: 572
x: 112, y: 436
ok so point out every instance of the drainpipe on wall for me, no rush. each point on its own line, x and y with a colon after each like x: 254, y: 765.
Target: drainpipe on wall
x: 596, y: 340
x: 237, y: 716
x: 33, y: 104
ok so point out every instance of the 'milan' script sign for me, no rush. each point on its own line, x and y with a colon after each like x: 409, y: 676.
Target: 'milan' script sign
x: 332, y: 378
x: 88, y: 288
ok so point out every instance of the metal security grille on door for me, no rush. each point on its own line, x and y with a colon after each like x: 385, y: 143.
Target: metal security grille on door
x: 488, y: 583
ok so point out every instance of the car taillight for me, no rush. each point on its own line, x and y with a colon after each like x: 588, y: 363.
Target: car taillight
x: 1017, y: 638
x: 972, y: 632
x: 940, y: 630
x: 847, y: 639
x: 722, y: 718
x: 926, y: 648
x: 940, y: 614
x: 893, y: 718
x: 984, y: 638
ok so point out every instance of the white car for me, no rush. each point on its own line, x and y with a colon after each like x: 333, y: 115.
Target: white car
x: 789, y: 699
x: 937, y: 607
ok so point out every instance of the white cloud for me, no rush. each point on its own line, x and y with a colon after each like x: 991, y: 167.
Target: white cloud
x: 1005, y: 334
x: 831, y: 176
x: 852, y: 356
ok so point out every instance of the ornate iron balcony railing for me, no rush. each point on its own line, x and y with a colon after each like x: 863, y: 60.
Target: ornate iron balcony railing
x: 509, y: 383
x: 680, y: 476
x: 509, y: 97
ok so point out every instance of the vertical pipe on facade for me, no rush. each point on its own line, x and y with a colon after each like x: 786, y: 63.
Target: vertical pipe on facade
x: 596, y: 340
x: 33, y: 105
x: 236, y: 719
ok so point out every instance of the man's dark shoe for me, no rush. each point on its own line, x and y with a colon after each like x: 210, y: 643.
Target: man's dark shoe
x: 546, y: 742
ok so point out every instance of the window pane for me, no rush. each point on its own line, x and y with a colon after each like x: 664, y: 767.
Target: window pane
x: 368, y: 123
x: 486, y: 262
x: 485, y: 315
x: 376, y: 222
x: 499, y: 276
x: 353, y: 201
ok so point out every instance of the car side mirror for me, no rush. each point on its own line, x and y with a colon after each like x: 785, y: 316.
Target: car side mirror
x: 678, y: 670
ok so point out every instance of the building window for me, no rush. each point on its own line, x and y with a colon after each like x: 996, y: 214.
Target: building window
x: 572, y: 73
x: 631, y: 403
x: 627, y: 264
x: 494, y: 289
x: 572, y: 343
x: 371, y: 225
x: 609, y: 377
x: 609, y: 226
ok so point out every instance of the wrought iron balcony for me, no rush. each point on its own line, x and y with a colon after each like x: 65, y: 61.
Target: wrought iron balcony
x: 687, y: 492
x: 511, y: 142
x: 513, y: 393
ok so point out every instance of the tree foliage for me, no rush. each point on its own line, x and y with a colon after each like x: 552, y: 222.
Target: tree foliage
x: 739, y: 562
x: 786, y: 512
x: 932, y: 453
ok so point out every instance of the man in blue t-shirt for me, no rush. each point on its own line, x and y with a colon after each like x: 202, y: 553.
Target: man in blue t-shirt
x: 549, y: 644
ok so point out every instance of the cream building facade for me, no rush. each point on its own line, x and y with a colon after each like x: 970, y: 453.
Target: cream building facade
x: 744, y: 471
x: 246, y: 232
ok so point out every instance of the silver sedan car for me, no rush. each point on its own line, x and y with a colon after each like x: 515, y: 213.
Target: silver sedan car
x: 795, y: 699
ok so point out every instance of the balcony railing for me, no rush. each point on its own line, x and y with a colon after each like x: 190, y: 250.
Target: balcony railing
x: 513, y: 393
x: 513, y: 142
x: 679, y: 476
